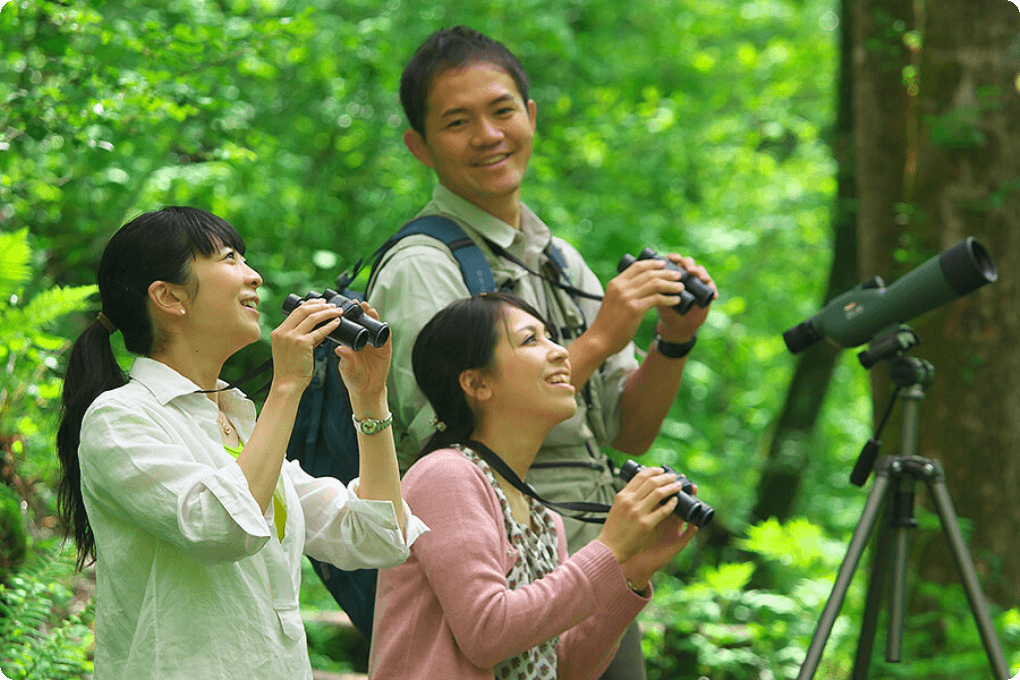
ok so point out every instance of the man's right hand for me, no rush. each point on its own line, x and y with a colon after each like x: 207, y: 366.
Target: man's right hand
x: 628, y: 297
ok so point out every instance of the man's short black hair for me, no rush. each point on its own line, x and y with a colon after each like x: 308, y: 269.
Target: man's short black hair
x: 446, y: 49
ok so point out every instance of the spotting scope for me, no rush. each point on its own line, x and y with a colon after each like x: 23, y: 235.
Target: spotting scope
x: 857, y: 315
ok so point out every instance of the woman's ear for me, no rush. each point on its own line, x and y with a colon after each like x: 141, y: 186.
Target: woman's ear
x: 166, y: 299
x: 475, y: 386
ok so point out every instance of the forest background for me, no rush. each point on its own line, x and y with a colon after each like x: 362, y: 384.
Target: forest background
x: 793, y: 147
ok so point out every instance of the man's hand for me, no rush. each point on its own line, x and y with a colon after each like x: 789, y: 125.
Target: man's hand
x: 676, y: 327
x: 629, y: 296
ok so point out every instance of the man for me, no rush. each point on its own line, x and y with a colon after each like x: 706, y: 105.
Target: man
x: 466, y: 99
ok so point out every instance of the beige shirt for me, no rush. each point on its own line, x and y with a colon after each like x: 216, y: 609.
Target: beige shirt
x: 420, y: 276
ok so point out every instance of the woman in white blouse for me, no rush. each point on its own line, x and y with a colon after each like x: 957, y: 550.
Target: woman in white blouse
x: 196, y: 523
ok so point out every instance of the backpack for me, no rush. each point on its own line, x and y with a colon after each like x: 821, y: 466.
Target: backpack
x: 324, y: 441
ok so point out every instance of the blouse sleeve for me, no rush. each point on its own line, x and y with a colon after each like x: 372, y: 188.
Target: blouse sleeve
x: 349, y: 532
x: 490, y: 621
x: 140, y: 469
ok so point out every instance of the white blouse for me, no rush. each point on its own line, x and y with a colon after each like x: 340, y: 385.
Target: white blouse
x: 191, y: 579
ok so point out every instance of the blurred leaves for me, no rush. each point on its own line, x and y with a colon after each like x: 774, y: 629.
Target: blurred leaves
x: 696, y: 127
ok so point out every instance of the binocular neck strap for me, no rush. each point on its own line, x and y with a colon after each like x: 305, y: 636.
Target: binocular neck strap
x: 250, y: 375
x: 504, y: 470
x: 577, y: 292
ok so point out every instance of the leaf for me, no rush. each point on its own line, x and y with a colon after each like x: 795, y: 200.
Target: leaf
x: 15, y: 257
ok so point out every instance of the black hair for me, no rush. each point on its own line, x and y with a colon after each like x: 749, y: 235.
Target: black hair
x: 460, y: 337
x: 155, y: 246
x: 446, y: 49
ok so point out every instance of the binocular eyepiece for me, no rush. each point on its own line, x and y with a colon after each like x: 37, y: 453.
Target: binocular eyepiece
x: 695, y: 290
x: 356, y: 328
x: 688, y: 508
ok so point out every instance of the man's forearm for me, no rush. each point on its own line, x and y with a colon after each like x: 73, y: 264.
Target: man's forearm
x: 647, y: 397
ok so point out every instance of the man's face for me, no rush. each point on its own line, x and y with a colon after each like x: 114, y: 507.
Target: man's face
x: 478, y: 135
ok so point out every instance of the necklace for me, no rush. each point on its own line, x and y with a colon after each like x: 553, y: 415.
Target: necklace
x: 225, y: 427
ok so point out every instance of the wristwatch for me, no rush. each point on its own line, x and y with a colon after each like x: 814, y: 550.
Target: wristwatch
x: 675, y: 350
x: 371, y: 425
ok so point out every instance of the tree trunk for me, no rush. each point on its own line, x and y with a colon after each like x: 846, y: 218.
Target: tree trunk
x: 968, y: 173
x: 961, y: 179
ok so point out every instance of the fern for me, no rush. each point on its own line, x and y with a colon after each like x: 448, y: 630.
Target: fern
x: 39, y: 636
x: 36, y: 640
x: 48, y: 306
x: 27, y: 351
x: 14, y: 262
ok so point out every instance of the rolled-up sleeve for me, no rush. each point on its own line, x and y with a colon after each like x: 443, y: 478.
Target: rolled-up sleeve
x: 609, y: 381
x: 133, y: 468
x: 347, y: 531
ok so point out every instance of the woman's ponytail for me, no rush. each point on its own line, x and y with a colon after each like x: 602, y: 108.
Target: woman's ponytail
x: 91, y: 370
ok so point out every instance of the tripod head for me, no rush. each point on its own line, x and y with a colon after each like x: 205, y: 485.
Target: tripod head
x: 905, y: 372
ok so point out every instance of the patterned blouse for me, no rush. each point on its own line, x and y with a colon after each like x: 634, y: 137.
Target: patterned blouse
x: 537, y: 556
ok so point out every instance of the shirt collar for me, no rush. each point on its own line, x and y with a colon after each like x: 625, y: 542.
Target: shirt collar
x: 491, y: 228
x: 165, y: 383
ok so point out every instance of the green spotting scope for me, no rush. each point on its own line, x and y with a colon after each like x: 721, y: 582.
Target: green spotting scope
x: 857, y: 315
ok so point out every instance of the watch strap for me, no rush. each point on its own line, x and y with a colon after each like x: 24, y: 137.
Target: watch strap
x: 675, y: 350
x: 372, y: 425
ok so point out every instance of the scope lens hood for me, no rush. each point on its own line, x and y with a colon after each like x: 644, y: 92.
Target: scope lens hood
x: 967, y: 266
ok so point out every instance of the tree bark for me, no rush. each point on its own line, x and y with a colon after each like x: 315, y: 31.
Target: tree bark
x: 955, y: 174
x: 967, y: 181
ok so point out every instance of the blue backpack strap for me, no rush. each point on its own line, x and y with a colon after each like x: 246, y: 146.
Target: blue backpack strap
x: 556, y: 258
x: 474, y: 268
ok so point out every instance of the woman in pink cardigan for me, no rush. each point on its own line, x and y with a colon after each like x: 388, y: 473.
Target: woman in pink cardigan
x: 490, y: 591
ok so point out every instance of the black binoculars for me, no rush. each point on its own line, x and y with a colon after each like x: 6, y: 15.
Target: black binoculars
x: 688, y: 508
x: 356, y: 328
x: 695, y: 290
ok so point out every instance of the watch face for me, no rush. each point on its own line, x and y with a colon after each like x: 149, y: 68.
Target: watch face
x: 371, y: 426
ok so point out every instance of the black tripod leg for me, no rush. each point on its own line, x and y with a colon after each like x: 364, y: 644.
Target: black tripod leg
x: 965, y: 567
x: 873, y: 603
x: 843, y: 578
x: 902, y: 520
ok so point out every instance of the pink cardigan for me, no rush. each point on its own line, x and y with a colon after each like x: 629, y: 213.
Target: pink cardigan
x: 447, y: 611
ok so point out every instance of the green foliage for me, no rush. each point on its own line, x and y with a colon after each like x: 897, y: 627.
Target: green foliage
x: 30, y: 385
x: 42, y: 634
x: 719, y: 625
x: 13, y: 539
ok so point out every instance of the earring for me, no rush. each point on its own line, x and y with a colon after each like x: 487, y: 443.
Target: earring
x: 182, y: 312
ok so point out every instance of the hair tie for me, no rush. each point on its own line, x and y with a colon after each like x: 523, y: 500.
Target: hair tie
x: 438, y: 424
x: 107, y: 324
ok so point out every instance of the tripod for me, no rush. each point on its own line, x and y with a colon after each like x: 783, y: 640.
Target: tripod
x: 896, y: 477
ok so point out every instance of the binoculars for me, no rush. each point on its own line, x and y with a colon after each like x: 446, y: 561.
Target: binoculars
x: 688, y: 508
x: 356, y: 328
x: 695, y: 290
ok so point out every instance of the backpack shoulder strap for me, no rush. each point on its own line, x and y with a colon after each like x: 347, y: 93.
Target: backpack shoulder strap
x: 556, y: 259
x: 473, y: 267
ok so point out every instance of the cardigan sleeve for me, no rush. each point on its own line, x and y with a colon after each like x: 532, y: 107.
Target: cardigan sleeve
x: 490, y: 622
x: 586, y: 650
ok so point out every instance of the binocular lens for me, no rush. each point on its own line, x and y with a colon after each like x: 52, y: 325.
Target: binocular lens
x: 695, y: 290
x: 689, y: 508
x: 356, y: 328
